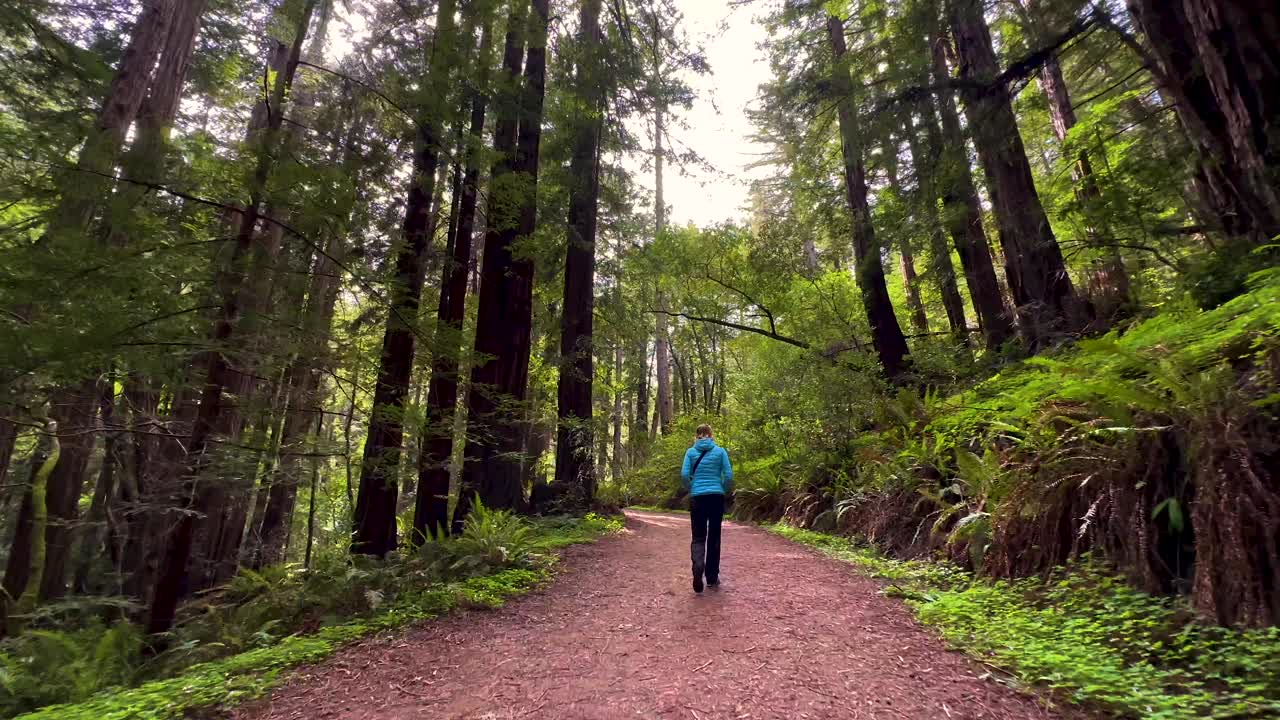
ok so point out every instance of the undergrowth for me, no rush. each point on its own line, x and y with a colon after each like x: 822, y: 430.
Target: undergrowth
x: 235, y: 645
x: 1085, y: 634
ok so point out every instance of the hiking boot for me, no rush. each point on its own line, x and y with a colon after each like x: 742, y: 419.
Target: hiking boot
x: 697, y: 583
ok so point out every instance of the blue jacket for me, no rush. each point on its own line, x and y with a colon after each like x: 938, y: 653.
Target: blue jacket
x: 715, y: 474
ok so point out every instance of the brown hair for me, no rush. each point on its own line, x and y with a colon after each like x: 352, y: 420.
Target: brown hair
x: 704, y: 431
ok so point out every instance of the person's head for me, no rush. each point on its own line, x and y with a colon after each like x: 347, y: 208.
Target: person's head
x: 704, y: 431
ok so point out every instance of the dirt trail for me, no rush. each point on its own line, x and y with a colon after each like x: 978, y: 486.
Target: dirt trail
x: 791, y: 634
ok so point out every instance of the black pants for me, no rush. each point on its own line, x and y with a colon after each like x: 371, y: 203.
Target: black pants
x: 706, y: 513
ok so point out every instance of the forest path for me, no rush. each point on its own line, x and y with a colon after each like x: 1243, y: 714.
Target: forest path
x: 620, y: 633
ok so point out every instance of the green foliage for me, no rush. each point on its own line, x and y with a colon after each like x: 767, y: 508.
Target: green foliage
x: 491, y: 539
x: 236, y: 645
x: 1099, y: 642
x: 1086, y: 634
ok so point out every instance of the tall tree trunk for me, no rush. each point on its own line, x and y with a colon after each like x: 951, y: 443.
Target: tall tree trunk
x: 311, y: 496
x: 1219, y: 63
x: 1046, y: 302
x: 139, y: 499
x: 619, y: 365
x: 640, y: 422
x: 84, y: 190
x: 504, y: 316
x: 375, y: 526
x: 89, y: 542
x: 618, y: 461
x: 886, y: 334
x: 25, y: 560
x: 303, y: 406
x: 89, y: 184
x: 1109, y: 280
x: 8, y: 438
x: 145, y: 159
x: 575, y: 469
x: 76, y: 414
x: 943, y: 272
x: 906, y: 255
x: 431, y: 513
x: 962, y: 211
x: 662, y: 341
x: 204, y: 497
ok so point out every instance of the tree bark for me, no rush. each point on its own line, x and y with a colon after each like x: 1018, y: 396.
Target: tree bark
x: 906, y: 255
x: 25, y: 558
x: 640, y: 423
x: 90, y: 535
x: 962, y: 211
x: 145, y: 159
x: 1108, y: 280
x: 504, y: 317
x: 375, y: 527
x: 89, y: 184
x: 886, y: 334
x: 205, y: 497
x: 1046, y: 302
x: 1219, y: 63
x: 575, y: 469
x: 943, y: 272
x: 76, y: 414
x: 431, y: 512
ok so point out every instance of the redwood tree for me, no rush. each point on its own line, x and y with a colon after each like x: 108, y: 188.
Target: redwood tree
x: 962, y: 211
x: 886, y: 334
x: 202, y: 498
x: 431, y: 512
x: 1046, y: 302
x: 574, y: 465
x: 504, y: 318
x: 1219, y: 63
x: 375, y: 514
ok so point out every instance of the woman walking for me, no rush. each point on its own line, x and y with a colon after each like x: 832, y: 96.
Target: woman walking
x: 708, y: 477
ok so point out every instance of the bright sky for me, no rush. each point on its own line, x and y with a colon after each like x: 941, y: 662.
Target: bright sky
x: 716, y: 126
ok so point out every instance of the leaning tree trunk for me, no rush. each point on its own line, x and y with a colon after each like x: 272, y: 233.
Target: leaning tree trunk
x: 575, y: 469
x: 375, y: 527
x: 1047, y: 306
x: 962, y: 211
x: 431, y: 512
x: 886, y: 334
x: 1219, y: 63
x: 202, y: 497
x: 90, y: 183
x: 504, y: 317
x: 145, y: 159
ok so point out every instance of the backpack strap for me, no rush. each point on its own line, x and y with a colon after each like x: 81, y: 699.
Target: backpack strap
x: 694, y: 470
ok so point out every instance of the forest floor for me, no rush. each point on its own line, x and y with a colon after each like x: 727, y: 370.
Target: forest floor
x: 620, y: 633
